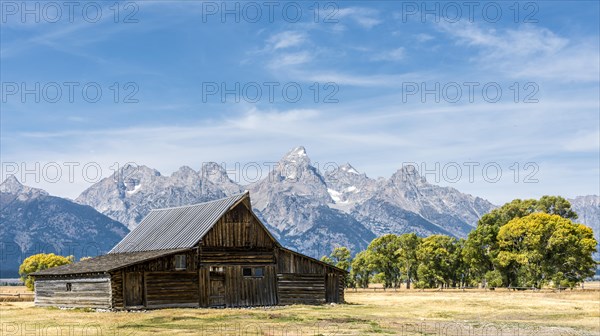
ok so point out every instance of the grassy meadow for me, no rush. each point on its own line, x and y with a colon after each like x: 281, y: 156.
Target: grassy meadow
x: 402, y: 312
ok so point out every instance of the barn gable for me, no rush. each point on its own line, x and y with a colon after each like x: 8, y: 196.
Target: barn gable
x: 238, y: 228
x: 179, y: 227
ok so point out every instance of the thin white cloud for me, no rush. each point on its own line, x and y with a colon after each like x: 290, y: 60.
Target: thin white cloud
x: 287, y: 59
x: 529, y: 52
x: 286, y: 39
x: 365, y: 17
x: 391, y: 55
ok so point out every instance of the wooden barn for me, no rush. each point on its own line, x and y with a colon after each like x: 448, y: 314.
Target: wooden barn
x: 214, y: 254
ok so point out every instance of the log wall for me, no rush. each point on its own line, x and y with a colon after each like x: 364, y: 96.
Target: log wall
x: 303, y: 280
x: 237, y: 290
x: 295, y: 288
x: 289, y: 262
x: 116, y: 284
x: 335, y: 284
x: 211, y: 256
x: 84, y: 291
x: 151, y: 268
x: 171, y: 289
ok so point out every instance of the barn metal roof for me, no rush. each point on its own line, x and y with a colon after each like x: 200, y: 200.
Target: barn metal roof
x: 176, y: 228
x: 106, y: 263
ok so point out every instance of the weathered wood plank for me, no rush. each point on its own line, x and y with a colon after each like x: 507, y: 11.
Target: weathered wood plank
x: 74, y: 292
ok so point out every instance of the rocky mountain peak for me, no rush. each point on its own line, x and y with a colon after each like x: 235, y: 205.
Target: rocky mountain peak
x: 185, y: 175
x: 216, y: 175
x: 347, y: 168
x: 297, y: 156
x: 214, y: 172
x: 11, y: 185
x: 408, y: 175
x: 295, y: 166
x: 140, y: 170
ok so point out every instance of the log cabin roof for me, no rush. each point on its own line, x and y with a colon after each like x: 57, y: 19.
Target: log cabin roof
x: 107, y: 262
x: 175, y: 228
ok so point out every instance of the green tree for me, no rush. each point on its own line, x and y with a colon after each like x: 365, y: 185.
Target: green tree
x: 556, y: 205
x: 541, y: 248
x: 407, y: 256
x: 341, y: 257
x: 494, y: 279
x: 362, y: 268
x: 462, y: 275
x: 385, y: 259
x: 481, y: 248
x: 38, y: 262
x: 437, y: 256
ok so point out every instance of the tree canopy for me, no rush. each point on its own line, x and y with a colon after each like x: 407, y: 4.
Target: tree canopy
x: 524, y: 243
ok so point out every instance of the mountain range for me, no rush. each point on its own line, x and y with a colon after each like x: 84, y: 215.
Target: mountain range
x: 32, y: 221
x: 306, y: 209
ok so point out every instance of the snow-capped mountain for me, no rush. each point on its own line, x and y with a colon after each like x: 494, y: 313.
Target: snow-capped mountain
x: 131, y: 192
x: 306, y: 209
x: 32, y: 221
x: 347, y: 187
x: 295, y: 202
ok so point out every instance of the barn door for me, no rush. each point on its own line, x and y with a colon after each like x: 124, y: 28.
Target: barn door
x: 134, y: 291
x: 217, y: 290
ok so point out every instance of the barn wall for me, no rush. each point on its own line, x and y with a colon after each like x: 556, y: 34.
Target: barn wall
x: 92, y: 291
x: 210, y: 256
x: 298, y: 288
x: 116, y: 285
x: 160, y: 285
x: 335, y: 283
x: 288, y: 262
x: 166, y: 263
x: 303, y: 280
x: 230, y: 288
x: 235, y: 242
x: 238, y: 228
x: 171, y: 289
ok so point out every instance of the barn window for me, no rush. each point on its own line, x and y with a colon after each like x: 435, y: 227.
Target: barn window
x: 180, y: 262
x: 253, y: 272
x: 216, y: 269
x: 69, y: 287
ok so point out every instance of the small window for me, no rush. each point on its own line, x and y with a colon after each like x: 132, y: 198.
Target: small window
x: 253, y: 272
x: 216, y: 269
x: 69, y: 287
x: 180, y: 262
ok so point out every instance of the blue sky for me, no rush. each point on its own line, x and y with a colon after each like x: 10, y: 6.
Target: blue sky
x: 371, y: 62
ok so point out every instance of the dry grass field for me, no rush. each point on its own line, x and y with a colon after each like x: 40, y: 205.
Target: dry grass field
x: 413, y: 312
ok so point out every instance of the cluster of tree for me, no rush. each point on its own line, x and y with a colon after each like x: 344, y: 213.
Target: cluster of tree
x: 524, y: 243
